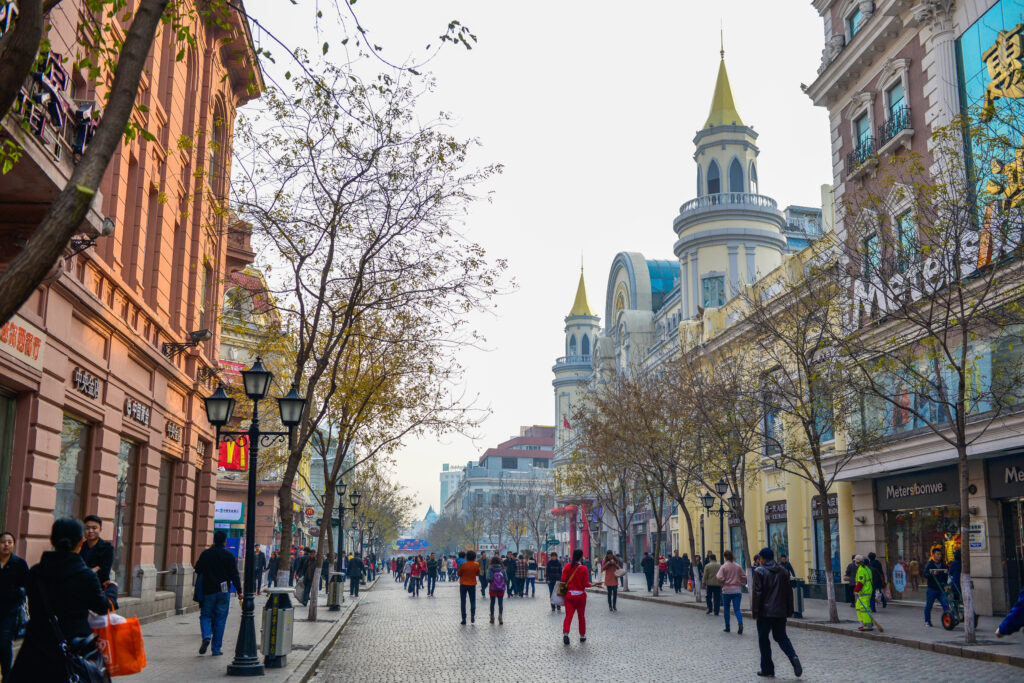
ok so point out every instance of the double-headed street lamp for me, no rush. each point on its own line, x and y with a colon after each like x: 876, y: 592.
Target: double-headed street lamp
x: 219, y: 409
x: 708, y: 500
x: 353, y: 500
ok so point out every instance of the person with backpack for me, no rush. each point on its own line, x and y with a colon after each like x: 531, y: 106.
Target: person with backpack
x: 576, y: 578
x: 498, y: 582
x: 552, y: 573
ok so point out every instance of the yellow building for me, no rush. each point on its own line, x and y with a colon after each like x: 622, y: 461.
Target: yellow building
x: 728, y: 237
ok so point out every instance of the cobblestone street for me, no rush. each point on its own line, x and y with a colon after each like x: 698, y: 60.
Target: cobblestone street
x: 393, y: 637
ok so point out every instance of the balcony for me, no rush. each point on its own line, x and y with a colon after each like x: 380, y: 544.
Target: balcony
x: 573, y: 360
x: 728, y: 205
x: 862, y: 159
x: 896, y: 130
x: 729, y: 198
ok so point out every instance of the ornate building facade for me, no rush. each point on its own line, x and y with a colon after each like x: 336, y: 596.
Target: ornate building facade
x: 102, y: 371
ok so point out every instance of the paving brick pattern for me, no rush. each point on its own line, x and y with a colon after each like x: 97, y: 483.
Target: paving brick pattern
x: 393, y: 637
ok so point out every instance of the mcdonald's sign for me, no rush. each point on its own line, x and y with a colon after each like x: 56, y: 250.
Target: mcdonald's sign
x: 234, y: 454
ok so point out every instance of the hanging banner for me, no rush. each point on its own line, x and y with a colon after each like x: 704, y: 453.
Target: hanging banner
x: 234, y: 455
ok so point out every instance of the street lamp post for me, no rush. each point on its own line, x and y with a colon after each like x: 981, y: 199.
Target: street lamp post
x: 219, y: 408
x: 580, y: 523
x: 708, y: 500
x: 353, y: 500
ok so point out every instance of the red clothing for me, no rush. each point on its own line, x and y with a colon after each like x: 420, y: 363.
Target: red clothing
x: 576, y: 577
x: 575, y: 604
x: 416, y: 569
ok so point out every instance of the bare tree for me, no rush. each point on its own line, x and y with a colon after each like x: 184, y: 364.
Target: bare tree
x: 357, y: 205
x: 538, y: 497
x: 930, y: 257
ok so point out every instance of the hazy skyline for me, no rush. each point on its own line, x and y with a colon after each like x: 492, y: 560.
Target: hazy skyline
x: 592, y: 110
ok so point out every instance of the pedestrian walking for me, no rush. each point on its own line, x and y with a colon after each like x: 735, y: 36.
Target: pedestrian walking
x: 1014, y: 619
x: 522, y: 573
x: 686, y: 569
x: 850, y: 578
x: 468, y: 572
x: 431, y: 574
x: 484, y: 562
x: 732, y: 579
x: 259, y: 566
x: 864, y: 590
x: 877, y: 580
x: 553, y: 574
x: 531, y: 578
x: 273, y: 566
x: 784, y: 563
x: 576, y: 577
x: 771, y: 603
x: 662, y: 571
x: 675, y: 571
x: 935, y: 574
x: 611, y: 581
x: 60, y: 589
x: 354, y: 573
x: 712, y: 586
x: 218, y: 572
x: 415, y: 573
x: 13, y: 582
x: 498, y: 581
x: 308, y: 570
x: 647, y: 565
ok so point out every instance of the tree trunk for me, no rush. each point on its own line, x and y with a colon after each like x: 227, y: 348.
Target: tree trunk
x: 284, y: 497
x: 657, y: 554
x: 64, y: 217
x: 18, y: 49
x: 966, y: 589
x: 826, y: 532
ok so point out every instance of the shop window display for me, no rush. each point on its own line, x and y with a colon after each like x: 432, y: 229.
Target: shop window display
x: 778, y: 538
x: 124, y: 514
x: 910, y: 536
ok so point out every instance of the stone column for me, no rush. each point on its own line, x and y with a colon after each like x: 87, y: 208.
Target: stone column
x: 734, y: 269
x: 936, y: 17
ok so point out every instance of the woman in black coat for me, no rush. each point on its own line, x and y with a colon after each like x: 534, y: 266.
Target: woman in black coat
x: 70, y: 590
x: 553, y: 574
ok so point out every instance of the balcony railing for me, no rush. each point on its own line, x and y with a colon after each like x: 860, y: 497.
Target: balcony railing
x: 861, y: 153
x: 573, y: 360
x: 729, y: 199
x: 898, y: 121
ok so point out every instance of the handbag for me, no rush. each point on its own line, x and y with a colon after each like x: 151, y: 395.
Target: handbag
x: 561, y: 588
x: 83, y: 661
x: 557, y: 600
x: 621, y: 571
x: 121, y: 644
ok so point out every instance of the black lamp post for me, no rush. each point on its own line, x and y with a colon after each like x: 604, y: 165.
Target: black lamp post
x: 219, y: 408
x: 708, y: 500
x: 353, y: 500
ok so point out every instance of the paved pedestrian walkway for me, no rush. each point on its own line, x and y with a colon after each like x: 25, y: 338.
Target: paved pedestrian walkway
x: 903, y: 624
x: 172, y: 644
x: 393, y: 637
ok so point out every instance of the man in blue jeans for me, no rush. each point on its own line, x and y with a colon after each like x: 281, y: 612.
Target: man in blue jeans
x: 935, y: 573
x: 218, y: 571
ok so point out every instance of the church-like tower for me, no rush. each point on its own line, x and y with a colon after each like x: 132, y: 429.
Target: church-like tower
x: 573, y: 370
x: 730, y: 234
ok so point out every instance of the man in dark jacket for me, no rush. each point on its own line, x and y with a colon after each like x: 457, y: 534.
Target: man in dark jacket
x: 218, y: 571
x: 771, y: 603
x: 675, y: 570
x: 510, y: 572
x: 97, y: 553
x: 260, y: 565
x: 851, y: 578
x: 687, y: 568
x: 877, y: 579
x: 552, y: 575
x: 431, y: 574
x: 647, y: 565
x: 355, y: 572
x: 273, y: 565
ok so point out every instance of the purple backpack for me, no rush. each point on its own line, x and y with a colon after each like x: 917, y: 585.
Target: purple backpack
x: 498, y: 582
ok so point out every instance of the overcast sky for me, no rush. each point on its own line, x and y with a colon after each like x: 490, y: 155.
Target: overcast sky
x: 592, y: 108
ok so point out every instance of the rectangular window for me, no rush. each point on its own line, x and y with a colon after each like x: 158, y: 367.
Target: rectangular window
x: 819, y: 548
x: 204, y: 294
x: 862, y: 129
x: 713, y: 291
x: 772, y: 431
x: 540, y: 462
x: 163, y: 517
x: 124, y: 513
x: 854, y: 23
x: 74, y: 454
x: 736, y: 545
x: 894, y: 98
x: 509, y: 463
x: 872, y: 256
x: 906, y: 241
x: 778, y: 538
x: 6, y: 445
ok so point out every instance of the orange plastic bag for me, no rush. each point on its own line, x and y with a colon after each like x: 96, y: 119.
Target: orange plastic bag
x: 122, y: 646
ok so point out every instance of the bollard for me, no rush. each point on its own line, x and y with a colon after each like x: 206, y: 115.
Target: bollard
x: 798, y: 598
x: 278, y: 624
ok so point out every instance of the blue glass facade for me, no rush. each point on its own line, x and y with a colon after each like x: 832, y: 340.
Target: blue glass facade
x: 973, y: 72
x: 664, y: 278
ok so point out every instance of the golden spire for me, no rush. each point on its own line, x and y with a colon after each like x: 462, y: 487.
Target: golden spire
x: 580, y: 305
x: 723, y: 109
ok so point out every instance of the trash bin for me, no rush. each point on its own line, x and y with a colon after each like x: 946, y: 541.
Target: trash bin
x: 278, y: 624
x: 798, y: 597
x: 335, y: 592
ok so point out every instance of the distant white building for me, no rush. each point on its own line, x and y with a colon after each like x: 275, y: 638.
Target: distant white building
x: 450, y: 477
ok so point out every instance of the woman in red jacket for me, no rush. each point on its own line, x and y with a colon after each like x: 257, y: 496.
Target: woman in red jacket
x: 576, y: 577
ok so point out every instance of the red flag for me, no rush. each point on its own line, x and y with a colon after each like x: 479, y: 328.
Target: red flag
x: 565, y: 422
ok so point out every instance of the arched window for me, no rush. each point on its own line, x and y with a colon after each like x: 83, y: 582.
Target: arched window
x: 714, y: 178
x: 736, y: 177
x: 217, y: 151
x: 572, y: 345
x: 700, y: 182
x: 753, y: 178
x: 585, y: 346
